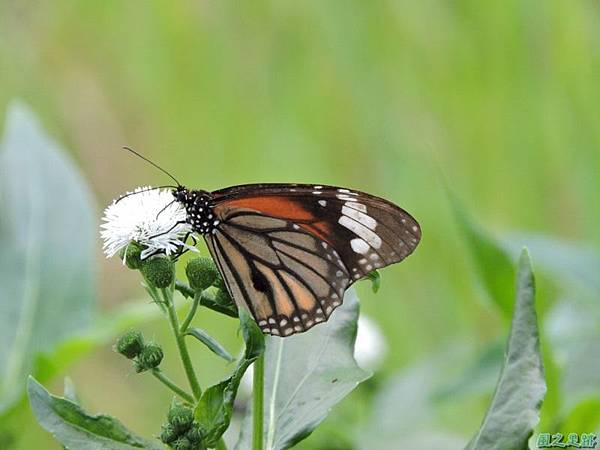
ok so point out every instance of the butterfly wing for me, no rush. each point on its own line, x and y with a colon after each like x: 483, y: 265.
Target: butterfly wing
x: 288, y: 252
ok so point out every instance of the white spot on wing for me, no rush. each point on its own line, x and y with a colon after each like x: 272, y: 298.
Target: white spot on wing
x: 322, y: 203
x: 361, y: 231
x: 361, y: 217
x: 359, y: 246
x: 357, y: 206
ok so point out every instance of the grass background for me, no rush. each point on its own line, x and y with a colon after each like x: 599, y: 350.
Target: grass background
x: 498, y: 100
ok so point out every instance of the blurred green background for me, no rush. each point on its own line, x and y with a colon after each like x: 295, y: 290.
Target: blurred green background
x: 499, y: 101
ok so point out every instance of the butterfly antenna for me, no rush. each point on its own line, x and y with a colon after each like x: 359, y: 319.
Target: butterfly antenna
x: 129, y: 149
x: 143, y: 190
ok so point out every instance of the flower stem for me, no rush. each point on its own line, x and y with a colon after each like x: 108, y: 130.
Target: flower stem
x: 160, y: 376
x: 258, y: 392
x: 181, y: 345
x: 191, y: 314
x: 185, y: 290
x: 221, y: 445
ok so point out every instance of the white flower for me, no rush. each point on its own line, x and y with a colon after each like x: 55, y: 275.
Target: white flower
x: 146, y: 217
x: 371, y: 348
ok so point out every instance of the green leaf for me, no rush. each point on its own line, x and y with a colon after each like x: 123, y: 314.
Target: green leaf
x: 478, y: 378
x: 76, y: 429
x: 212, y: 344
x: 375, y: 278
x: 47, y: 236
x: 305, y: 376
x: 70, y: 391
x: 575, y: 265
x: 493, y: 265
x: 515, y: 406
x: 253, y: 337
x: 215, y: 407
x: 406, y: 410
x: 48, y: 365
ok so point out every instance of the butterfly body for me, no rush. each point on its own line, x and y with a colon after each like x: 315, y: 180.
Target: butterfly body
x: 288, y: 252
x: 198, y: 206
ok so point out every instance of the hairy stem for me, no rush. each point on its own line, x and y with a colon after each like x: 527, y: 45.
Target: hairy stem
x: 191, y: 314
x: 185, y: 290
x: 258, y: 392
x: 181, y: 345
x: 160, y: 376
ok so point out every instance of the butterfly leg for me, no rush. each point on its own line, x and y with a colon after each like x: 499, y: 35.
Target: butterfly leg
x: 154, y: 253
x: 179, y: 222
x: 182, y: 251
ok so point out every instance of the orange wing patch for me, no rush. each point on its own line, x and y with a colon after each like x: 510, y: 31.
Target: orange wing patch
x: 283, y: 208
x: 274, y: 206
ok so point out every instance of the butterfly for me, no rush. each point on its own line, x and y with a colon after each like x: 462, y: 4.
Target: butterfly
x: 288, y: 252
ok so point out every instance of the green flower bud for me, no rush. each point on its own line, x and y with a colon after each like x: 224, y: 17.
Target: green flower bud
x: 168, y: 434
x: 159, y: 271
x: 130, y: 344
x: 222, y: 297
x: 201, y: 273
x: 194, y: 434
x: 150, y: 357
x: 181, y: 417
x: 220, y: 283
x: 182, y: 443
x: 132, y: 255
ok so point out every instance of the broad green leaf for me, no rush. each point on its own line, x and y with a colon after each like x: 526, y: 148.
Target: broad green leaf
x: 47, y: 237
x: 48, y: 365
x: 215, y: 407
x: 70, y: 391
x: 571, y: 332
x: 78, y: 430
x: 253, y: 337
x: 305, y: 376
x: 585, y: 416
x: 210, y: 342
x: 479, y: 376
x: 493, y: 265
x: 575, y: 264
x: 406, y: 407
x: 515, y: 406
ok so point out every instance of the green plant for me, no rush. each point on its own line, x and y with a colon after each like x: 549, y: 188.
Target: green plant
x: 294, y: 390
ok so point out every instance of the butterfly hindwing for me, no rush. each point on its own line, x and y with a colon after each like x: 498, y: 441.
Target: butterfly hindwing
x: 290, y: 251
x: 285, y: 276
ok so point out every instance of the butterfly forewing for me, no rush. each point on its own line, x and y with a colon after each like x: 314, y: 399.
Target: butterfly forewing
x: 288, y: 252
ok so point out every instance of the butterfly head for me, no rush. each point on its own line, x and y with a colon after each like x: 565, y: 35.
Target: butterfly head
x: 181, y: 194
